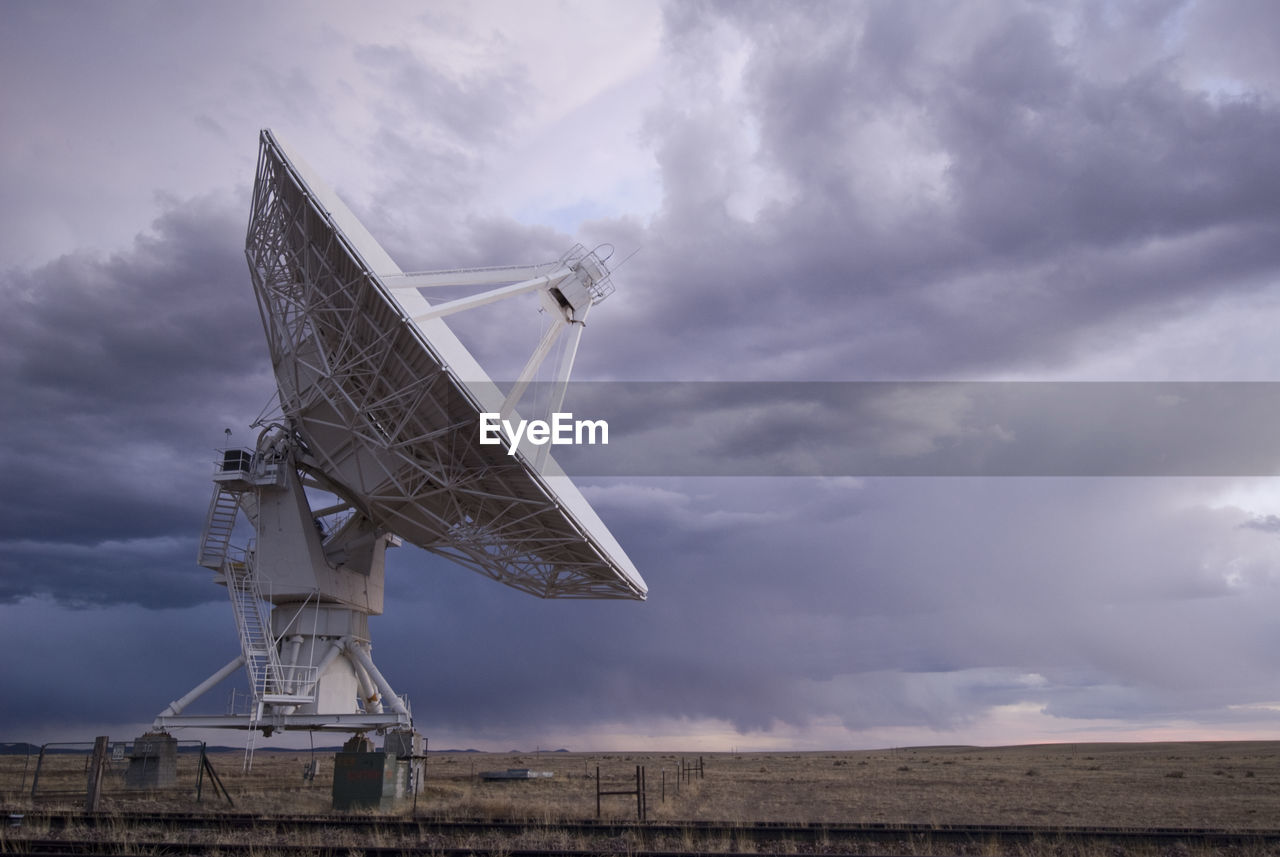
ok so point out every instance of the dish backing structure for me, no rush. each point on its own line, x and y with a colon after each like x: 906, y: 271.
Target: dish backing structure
x: 379, y: 442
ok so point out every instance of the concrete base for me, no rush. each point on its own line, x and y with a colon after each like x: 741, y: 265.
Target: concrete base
x: 407, y: 747
x: 153, y: 762
x: 358, y: 744
x: 363, y: 779
x: 402, y: 744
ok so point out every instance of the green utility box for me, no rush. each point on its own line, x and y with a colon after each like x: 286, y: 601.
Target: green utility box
x: 365, y: 781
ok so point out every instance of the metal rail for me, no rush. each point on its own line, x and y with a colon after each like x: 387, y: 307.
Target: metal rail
x: 764, y: 833
x: 92, y: 848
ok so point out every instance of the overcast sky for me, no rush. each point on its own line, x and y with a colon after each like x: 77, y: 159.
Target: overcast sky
x: 837, y: 192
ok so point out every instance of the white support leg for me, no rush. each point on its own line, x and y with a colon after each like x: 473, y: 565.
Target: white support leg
x: 361, y: 653
x: 478, y: 300
x: 492, y: 276
x: 200, y: 689
x: 562, y: 377
x: 531, y: 368
x: 368, y: 693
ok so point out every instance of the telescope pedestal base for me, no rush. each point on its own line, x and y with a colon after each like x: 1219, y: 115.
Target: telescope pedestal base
x: 363, y: 779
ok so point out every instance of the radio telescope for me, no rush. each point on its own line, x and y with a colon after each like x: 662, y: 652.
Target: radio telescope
x: 379, y: 443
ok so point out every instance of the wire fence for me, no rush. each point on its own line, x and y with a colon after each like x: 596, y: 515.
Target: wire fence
x: 151, y: 774
x: 81, y: 773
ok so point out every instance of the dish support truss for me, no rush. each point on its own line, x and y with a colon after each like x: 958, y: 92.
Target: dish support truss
x: 567, y: 289
x: 385, y: 401
x: 301, y: 595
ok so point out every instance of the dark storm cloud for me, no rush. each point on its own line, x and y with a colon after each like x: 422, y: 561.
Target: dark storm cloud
x: 918, y: 428
x: 786, y: 600
x: 1267, y: 524
x: 886, y: 190
x: 943, y: 207
x: 120, y: 373
x: 102, y: 665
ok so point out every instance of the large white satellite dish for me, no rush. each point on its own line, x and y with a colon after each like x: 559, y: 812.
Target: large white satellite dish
x: 381, y: 406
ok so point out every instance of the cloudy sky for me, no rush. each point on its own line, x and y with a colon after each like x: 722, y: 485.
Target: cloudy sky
x: 834, y: 192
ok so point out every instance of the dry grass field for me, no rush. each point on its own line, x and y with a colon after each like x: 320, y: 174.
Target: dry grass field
x: 1223, y: 785
x: 1233, y: 786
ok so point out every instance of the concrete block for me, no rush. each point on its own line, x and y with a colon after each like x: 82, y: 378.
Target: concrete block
x: 153, y: 762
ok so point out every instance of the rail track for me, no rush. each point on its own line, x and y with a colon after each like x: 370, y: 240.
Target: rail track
x: 48, y: 832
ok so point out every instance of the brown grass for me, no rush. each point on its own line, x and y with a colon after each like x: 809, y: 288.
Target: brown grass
x: 1223, y: 785
x: 1231, y: 785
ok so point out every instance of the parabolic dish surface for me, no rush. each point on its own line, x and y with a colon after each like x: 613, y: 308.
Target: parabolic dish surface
x: 388, y: 408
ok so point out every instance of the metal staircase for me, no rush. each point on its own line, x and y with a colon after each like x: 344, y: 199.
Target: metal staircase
x: 266, y: 673
x: 261, y: 658
x: 218, y: 525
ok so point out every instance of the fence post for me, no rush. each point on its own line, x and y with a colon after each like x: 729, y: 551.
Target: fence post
x: 26, y: 763
x: 597, y: 792
x: 200, y: 773
x: 215, y: 782
x: 99, y: 761
x: 35, y: 777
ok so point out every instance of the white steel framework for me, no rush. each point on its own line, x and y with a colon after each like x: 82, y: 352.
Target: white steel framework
x: 381, y: 407
x: 386, y: 403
